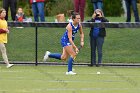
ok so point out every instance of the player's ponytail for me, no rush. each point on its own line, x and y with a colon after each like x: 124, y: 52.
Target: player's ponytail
x: 74, y: 15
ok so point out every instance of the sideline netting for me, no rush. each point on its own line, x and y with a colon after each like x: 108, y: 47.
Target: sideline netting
x: 28, y: 45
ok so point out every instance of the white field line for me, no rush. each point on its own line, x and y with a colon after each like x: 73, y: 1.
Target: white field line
x: 58, y: 81
x: 64, y: 89
x: 87, y: 89
x: 63, y: 73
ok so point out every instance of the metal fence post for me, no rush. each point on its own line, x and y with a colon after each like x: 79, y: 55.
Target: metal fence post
x: 36, y: 45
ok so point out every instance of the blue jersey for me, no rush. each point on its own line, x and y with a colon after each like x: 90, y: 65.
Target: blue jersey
x: 65, y: 39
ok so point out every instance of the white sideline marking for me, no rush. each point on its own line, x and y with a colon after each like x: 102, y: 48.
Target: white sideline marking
x: 95, y: 73
x: 85, y: 89
x: 86, y: 81
x: 58, y: 81
x: 12, y: 71
x: 67, y: 89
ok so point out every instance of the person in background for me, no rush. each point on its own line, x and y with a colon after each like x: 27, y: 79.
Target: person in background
x: 135, y: 10
x: 3, y: 37
x: 97, y: 4
x: 38, y: 9
x: 97, y: 37
x: 13, y: 5
x: 20, y: 16
x: 79, y: 6
x: 124, y: 8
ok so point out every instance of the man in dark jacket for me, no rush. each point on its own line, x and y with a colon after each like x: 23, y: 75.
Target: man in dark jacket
x: 12, y: 4
x: 97, y: 37
x: 38, y: 9
x: 97, y: 4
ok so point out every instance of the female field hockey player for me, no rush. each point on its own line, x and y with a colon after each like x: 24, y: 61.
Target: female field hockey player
x: 67, y: 41
x: 3, y: 36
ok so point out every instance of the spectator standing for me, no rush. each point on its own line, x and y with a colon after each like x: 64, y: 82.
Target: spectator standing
x: 13, y: 5
x: 124, y: 8
x: 20, y: 16
x: 38, y: 9
x: 79, y: 6
x: 97, y: 37
x: 135, y: 10
x: 3, y: 36
x: 97, y: 4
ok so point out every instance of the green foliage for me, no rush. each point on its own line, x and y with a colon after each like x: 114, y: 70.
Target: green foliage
x: 48, y: 6
x: 60, y: 6
x: 53, y: 7
x: 112, y: 7
x: 27, y: 10
x: 89, y: 8
x: 22, y: 3
x: 0, y: 3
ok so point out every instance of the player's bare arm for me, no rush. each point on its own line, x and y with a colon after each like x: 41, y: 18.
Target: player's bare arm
x: 69, y: 28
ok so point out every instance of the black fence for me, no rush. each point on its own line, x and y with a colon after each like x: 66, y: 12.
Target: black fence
x: 36, y: 41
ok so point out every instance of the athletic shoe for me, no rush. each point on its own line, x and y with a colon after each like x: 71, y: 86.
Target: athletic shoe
x: 46, y: 56
x: 70, y: 73
x: 9, y: 65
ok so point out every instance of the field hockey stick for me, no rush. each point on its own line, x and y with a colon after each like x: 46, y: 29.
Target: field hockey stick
x: 79, y: 48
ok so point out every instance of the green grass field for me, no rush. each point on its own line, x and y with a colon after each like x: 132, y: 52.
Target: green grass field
x: 52, y: 79
x: 121, y: 45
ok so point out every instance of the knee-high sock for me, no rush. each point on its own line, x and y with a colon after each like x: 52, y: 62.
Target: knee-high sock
x: 70, y: 64
x: 55, y: 55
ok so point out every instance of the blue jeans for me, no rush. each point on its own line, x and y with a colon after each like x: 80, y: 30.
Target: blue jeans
x: 135, y: 10
x: 38, y: 9
x: 98, y: 5
x: 96, y: 43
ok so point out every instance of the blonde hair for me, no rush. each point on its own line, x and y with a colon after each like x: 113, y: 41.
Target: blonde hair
x: 98, y: 10
x: 1, y: 10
